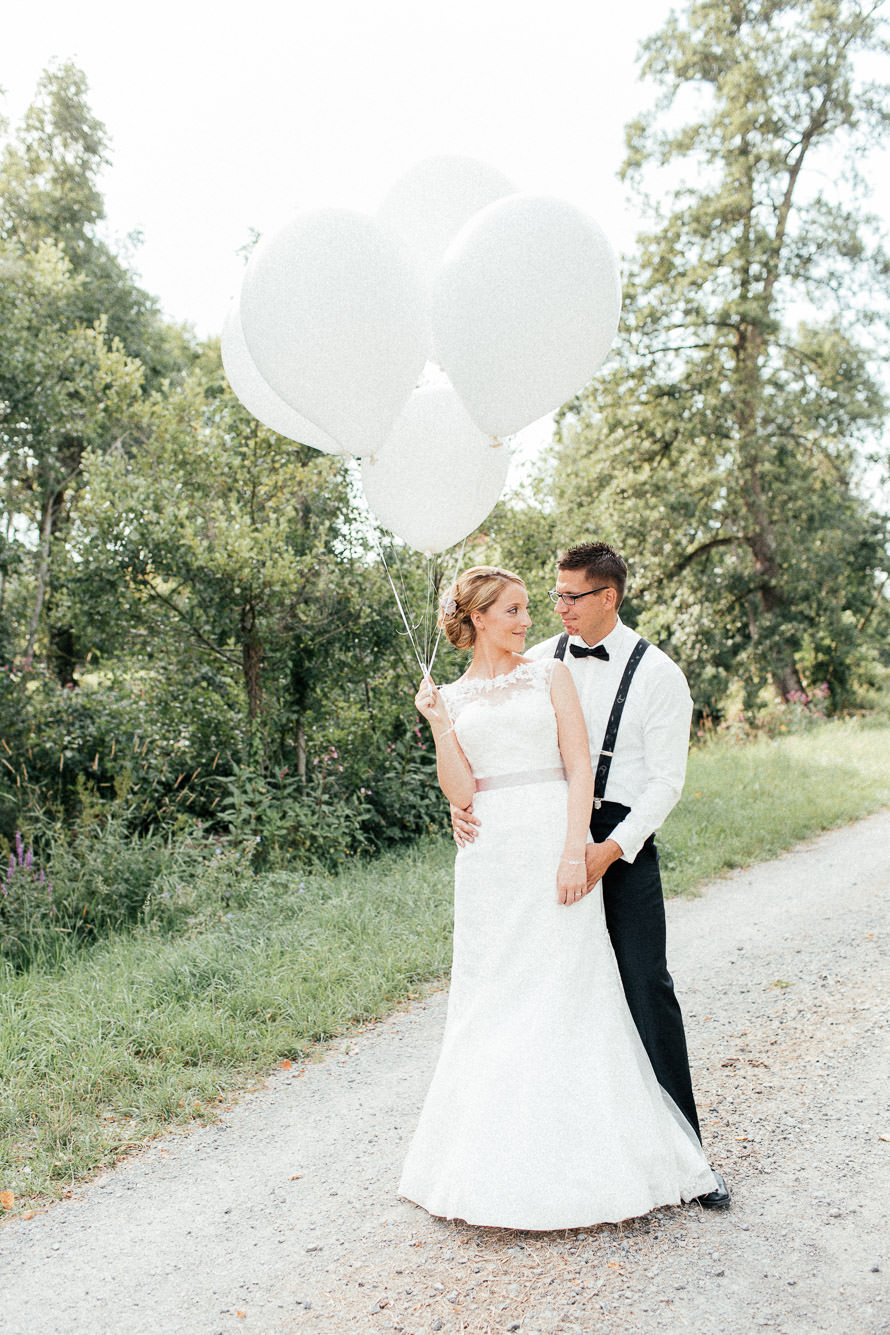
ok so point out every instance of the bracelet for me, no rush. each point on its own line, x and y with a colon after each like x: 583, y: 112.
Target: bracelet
x: 445, y: 733
x: 570, y: 863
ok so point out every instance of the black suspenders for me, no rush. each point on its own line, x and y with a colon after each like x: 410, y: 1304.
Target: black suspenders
x: 607, y: 750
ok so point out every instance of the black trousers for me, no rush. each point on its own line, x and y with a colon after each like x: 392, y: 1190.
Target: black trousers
x: 634, y: 905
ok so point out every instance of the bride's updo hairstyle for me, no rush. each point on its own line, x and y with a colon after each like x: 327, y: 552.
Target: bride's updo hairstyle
x: 474, y: 591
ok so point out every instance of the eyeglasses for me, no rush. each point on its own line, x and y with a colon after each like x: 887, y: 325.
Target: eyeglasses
x: 571, y: 598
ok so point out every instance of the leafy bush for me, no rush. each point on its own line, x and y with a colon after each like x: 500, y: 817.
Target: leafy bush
x: 403, y: 793
x: 70, y: 886
x: 283, y: 818
x: 160, y: 754
x: 147, y: 738
x: 374, y: 796
x: 796, y: 713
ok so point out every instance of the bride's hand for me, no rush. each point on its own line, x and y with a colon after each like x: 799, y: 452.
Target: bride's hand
x: 430, y: 704
x: 571, y: 881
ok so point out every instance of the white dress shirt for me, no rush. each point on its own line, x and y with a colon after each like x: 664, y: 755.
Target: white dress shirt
x: 649, y: 765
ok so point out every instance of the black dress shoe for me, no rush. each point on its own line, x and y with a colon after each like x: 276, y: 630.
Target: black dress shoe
x: 718, y: 1199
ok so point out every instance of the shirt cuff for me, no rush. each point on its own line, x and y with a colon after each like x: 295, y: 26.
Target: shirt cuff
x: 630, y: 837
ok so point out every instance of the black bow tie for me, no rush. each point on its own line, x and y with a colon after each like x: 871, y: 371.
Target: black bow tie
x: 581, y: 651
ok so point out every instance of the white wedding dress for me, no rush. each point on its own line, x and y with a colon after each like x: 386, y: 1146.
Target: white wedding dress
x: 543, y: 1111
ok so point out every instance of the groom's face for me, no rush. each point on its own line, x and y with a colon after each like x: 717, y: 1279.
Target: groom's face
x: 592, y: 617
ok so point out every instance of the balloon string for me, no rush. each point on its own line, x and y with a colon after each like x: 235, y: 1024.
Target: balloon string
x: 408, y: 629
x: 431, y: 602
x: 451, y: 584
x: 425, y: 654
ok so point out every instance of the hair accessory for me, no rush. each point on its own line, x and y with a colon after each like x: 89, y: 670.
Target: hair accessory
x: 449, y: 605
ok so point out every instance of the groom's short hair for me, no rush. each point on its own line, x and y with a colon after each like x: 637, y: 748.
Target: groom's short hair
x: 600, y: 563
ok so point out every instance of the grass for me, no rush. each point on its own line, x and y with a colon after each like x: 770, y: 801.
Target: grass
x: 747, y: 802
x: 142, y: 1033
x: 145, y: 1031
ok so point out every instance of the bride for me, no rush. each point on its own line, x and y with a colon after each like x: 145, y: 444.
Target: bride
x: 543, y: 1111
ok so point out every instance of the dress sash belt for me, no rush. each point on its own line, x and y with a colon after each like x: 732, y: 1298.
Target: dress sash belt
x: 518, y: 780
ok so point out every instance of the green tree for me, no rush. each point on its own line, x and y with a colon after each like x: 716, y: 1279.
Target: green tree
x: 723, y: 447
x: 49, y: 191
x: 208, y: 551
x: 210, y: 534
x: 80, y: 346
x: 64, y: 386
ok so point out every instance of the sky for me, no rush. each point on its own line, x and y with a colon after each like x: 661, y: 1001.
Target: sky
x: 224, y: 117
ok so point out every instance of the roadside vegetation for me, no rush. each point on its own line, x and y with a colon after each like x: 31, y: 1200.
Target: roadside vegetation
x: 157, y: 1025
x: 750, y: 796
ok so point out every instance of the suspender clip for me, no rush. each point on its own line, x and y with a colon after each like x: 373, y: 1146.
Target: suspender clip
x: 597, y: 803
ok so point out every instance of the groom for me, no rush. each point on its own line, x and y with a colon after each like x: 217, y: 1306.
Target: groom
x: 637, y: 708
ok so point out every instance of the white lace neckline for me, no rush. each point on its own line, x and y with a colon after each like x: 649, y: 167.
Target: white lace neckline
x: 483, y: 684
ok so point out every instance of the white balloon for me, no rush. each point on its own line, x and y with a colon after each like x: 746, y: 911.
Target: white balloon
x: 335, y: 319
x: 438, y: 475
x: 428, y: 206
x: 250, y: 388
x: 524, y: 309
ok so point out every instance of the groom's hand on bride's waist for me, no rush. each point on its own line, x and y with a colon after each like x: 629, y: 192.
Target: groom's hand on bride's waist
x: 599, y: 859
x: 464, y: 824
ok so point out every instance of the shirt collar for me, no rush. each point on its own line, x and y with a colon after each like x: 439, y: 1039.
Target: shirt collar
x: 610, y: 642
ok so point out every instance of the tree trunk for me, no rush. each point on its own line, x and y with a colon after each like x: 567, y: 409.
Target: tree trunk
x: 783, y: 668
x: 62, y: 655
x: 786, y: 680
x: 301, y: 749
x: 46, y: 533
x: 54, y: 514
x: 761, y: 539
x: 7, y: 524
x: 251, y: 661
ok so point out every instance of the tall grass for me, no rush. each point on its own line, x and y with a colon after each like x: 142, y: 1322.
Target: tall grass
x: 143, y: 1031
x: 747, y: 802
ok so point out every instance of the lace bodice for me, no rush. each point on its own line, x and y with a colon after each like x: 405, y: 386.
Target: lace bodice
x: 507, y: 724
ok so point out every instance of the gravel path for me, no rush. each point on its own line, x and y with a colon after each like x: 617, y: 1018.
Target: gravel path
x: 282, y: 1217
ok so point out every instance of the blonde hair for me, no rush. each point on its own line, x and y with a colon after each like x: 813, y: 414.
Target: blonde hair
x: 474, y: 591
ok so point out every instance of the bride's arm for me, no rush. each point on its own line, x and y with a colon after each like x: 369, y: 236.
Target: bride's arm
x: 575, y: 752
x: 452, y: 766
